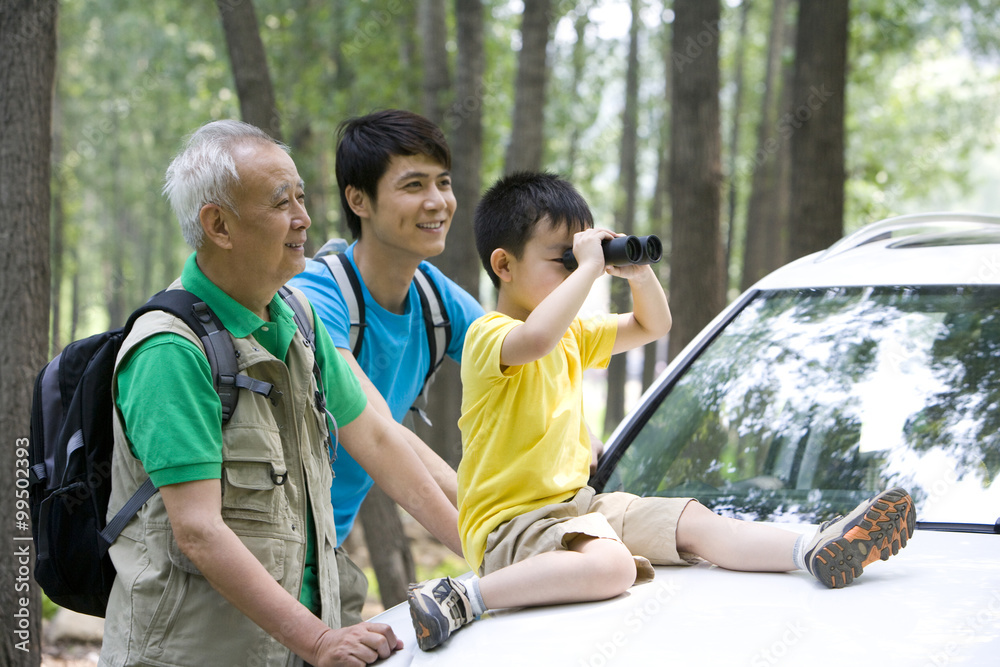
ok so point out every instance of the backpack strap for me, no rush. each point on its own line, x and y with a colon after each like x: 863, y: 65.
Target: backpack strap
x: 435, y: 316
x: 125, y: 514
x: 225, y: 377
x: 304, y: 321
x: 218, y: 344
x: 438, y: 333
x: 350, y: 287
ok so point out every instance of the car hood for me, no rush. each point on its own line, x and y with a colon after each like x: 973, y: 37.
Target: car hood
x: 936, y: 603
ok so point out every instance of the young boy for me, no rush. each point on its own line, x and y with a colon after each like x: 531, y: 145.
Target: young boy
x: 530, y: 526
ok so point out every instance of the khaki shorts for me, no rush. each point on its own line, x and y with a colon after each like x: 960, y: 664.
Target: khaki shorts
x: 646, y: 526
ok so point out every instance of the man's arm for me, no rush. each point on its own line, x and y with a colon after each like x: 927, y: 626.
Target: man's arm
x: 195, y: 512
x: 378, y: 445
x: 442, y: 473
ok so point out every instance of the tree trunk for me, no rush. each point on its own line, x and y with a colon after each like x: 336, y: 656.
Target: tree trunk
x: 117, y: 279
x: 433, y: 26
x: 527, y: 135
x: 388, y: 546
x: 625, y: 217
x: 464, y: 125
x: 249, y: 63
x: 777, y: 229
x: 27, y: 70
x: 759, y: 256
x: 817, y: 204
x: 56, y: 255
x: 579, y: 65
x: 658, y: 212
x: 697, y: 271
x: 734, y: 130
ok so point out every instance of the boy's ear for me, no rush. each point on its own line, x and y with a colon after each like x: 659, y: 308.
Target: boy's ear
x: 500, y: 261
x: 216, y: 224
x: 358, y: 201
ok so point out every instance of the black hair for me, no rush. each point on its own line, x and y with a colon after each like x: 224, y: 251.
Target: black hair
x: 508, y: 212
x: 367, y: 144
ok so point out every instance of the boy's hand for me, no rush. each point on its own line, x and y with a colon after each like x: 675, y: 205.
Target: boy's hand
x: 588, y: 250
x: 632, y: 271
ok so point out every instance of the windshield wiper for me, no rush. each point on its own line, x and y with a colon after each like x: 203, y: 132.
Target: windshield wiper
x: 953, y: 527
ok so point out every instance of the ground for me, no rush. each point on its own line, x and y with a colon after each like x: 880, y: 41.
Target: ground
x: 73, y: 640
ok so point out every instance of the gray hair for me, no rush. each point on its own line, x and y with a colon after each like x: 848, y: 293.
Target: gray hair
x: 204, y: 172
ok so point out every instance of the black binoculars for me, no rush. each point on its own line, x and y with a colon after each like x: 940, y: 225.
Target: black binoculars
x: 624, y: 250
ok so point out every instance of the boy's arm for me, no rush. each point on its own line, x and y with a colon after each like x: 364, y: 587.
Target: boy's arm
x: 650, y: 318
x: 549, y: 321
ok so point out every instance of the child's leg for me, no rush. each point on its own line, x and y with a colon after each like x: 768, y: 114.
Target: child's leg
x: 592, y: 569
x: 734, y: 544
x: 839, y: 551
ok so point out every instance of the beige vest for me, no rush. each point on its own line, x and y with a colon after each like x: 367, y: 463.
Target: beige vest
x: 162, y: 611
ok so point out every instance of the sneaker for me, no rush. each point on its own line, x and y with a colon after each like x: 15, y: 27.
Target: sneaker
x: 876, y: 529
x: 438, y: 608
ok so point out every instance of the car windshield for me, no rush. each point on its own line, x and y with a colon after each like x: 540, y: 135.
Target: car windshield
x: 811, y: 400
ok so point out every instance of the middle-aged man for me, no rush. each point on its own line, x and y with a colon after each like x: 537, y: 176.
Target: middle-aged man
x: 232, y: 562
x: 394, y: 175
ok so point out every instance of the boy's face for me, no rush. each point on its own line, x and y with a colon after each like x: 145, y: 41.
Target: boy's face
x: 540, y: 268
x: 414, y: 207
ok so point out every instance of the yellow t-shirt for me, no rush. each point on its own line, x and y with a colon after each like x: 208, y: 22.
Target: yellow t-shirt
x: 524, y: 440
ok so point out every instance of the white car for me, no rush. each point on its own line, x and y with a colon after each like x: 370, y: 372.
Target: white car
x: 873, y: 364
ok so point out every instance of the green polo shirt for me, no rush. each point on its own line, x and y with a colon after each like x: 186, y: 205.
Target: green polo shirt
x: 172, y: 413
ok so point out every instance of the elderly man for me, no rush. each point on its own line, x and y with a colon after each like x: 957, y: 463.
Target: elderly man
x: 232, y: 562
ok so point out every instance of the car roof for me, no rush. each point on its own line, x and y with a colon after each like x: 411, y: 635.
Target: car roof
x: 925, y: 249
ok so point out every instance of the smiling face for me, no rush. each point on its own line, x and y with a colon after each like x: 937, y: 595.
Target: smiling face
x: 269, y: 234
x: 412, y: 214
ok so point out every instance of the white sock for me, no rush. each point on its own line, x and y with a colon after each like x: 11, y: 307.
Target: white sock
x: 475, y: 597
x: 799, y: 552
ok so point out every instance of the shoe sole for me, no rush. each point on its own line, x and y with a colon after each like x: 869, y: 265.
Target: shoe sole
x: 878, y: 533
x: 429, y: 630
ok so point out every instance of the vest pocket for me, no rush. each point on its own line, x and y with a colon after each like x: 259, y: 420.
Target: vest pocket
x: 250, y: 489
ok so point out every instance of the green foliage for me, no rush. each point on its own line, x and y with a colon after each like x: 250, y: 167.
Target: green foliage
x: 134, y: 79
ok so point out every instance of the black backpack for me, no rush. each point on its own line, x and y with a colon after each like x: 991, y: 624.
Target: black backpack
x: 436, y: 320
x: 72, y: 440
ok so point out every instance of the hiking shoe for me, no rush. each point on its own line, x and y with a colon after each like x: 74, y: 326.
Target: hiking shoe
x: 876, y: 529
x: 438, y: 608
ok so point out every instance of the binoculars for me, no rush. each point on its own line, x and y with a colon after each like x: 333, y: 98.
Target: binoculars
x: 624, y: 250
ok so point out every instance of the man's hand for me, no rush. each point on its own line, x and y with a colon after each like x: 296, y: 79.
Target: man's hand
x: 356, y: 645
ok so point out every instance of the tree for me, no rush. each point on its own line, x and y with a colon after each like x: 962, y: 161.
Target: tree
x: 463, y: 124
x: 434, y: 34
x: 27, y: 73
x: 764, y: 222
x: 817, y: 201
x: 249, y: 62
x: 734, y: 129
x: 658, y: 210
x: 524, y: 152
x: 697, y: 269
x: 625, y: 215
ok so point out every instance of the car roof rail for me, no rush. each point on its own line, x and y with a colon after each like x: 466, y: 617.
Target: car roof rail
x: 910, y: 225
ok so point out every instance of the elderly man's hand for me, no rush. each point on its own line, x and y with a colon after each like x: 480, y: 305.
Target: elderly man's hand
x: 356, y: 645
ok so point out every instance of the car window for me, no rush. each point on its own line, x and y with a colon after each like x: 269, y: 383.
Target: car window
x: 811, y: 400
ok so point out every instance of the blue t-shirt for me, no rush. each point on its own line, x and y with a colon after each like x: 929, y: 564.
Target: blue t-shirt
x: 394, y: 355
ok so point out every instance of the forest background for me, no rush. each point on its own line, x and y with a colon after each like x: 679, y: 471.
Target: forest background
x: 744, y: 132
